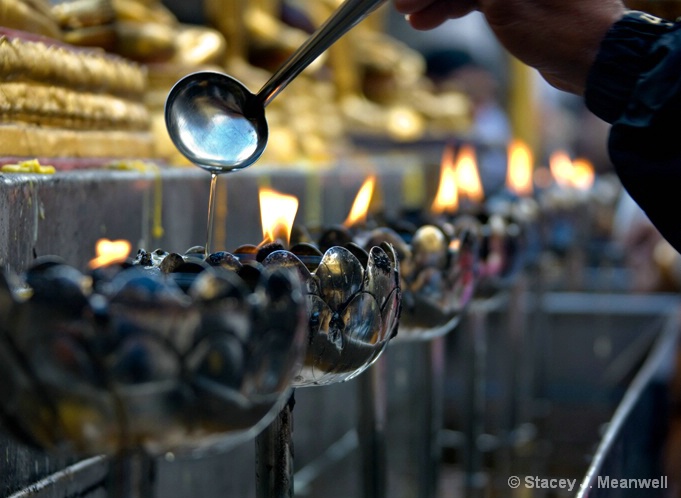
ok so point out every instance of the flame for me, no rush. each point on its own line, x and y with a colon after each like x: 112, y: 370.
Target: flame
x: 277, y: 212
x: 455, y: 245
x: 360, y: 207
x: 109, y: 252
x: 561, y: 168
x: 467, y: 176
x: 582, y: 174
x: 578, y: 174
x: 519, y: 175
x: 447, y: 197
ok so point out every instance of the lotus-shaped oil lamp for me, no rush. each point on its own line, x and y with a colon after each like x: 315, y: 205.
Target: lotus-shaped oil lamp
x: 131, y: 359
x: 438, y: 274
x: 438, y: 260
x: 353, y: 303
x: 502, y: 219
x: 493, y: 254
x: 509, y: 223
x: 501, y: 251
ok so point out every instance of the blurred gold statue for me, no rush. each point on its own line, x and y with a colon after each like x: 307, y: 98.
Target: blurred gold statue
x: 33, y: 16
x: 146, y: 32
x: 304, y: 121
x: 367, y: 82
x: 143, y: 31
x: 382, y: 88
x: 65, y: 102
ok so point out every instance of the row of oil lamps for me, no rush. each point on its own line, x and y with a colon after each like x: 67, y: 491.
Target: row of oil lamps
x: 172, y: 351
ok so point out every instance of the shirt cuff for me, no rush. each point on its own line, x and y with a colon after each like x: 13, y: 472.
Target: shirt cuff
x: 623, y: 57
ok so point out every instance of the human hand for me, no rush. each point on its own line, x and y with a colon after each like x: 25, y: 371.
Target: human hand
x: 560, y: 38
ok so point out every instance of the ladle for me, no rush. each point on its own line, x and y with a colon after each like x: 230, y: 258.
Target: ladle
x: 219, y: 125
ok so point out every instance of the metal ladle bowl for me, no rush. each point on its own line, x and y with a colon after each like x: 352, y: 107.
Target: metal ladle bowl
x: 215, y: 122
x: 219, y: 125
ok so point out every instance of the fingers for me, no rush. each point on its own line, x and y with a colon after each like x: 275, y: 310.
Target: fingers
x: 428, y: 14
x: 410, y: 6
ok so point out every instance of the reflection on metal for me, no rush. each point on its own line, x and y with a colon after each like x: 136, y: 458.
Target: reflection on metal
x: 371, y: 428
x: 438, y: 274
x: 353, y: 300
x: 438, y: 269
x: 626, y: 451
x: 503, y: 252
x: 132, y: 358
x: 336, y: 452
x: 85, y: 478
x: 274, y: 456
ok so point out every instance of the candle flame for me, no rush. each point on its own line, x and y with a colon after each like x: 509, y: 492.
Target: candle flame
x: 583, y: 174
x: 578, y: 174
x: 360, y: 207
x: 561, y: 168
x: 447, y: 197
x: 467, y: 176
x: 277, y: 213
x: 109, y: 252
x: 519, y: 174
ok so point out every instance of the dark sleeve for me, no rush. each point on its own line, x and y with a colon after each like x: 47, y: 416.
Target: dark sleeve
x: 635, y: 84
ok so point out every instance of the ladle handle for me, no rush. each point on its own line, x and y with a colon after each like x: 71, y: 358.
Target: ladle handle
x: 349, y: 14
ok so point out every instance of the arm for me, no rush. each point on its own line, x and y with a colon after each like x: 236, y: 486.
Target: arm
x: 635, y: 84
x: 627, y: 65
x: 559, y: 38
